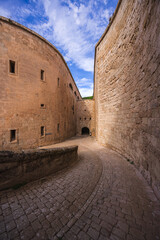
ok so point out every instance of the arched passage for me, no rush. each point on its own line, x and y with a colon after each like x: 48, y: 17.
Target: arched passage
x: 85, y: 131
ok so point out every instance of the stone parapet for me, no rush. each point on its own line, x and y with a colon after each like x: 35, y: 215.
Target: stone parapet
x: 22, y: 167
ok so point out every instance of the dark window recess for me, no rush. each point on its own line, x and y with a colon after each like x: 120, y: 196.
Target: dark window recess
x: 79, y: 118
x: 70, y: 85
x: 42, y: 131
x: 42, y: 74
x: 78, y: 97
x: 84, y: 118
x: 73, y: 107
x: 75, y: 93
x: 90, y: 118
x: 42, y: 105
x: 13, y: 135
x: 58, y: 127
x: 12, y: 66
x: 85, y: 110
x: 58, y: 82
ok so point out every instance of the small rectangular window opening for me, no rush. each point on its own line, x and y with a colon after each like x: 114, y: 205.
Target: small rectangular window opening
x: 12, y: 135
x: 42, y: 105
x: 12, y: 66
x: 42, y: 131
x: 42, y: 74
x: 58, y: 81
x: 58, y: 127
x: 71, y: 87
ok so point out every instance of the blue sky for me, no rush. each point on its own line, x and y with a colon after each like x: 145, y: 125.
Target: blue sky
x: 72, y: 26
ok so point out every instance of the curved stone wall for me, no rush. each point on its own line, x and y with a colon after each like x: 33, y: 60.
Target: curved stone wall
x: 38, y: 95
x: 18, y: 168
x: 127, y: 86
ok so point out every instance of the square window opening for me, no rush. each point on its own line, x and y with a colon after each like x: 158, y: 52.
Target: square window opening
x: 42, y: 105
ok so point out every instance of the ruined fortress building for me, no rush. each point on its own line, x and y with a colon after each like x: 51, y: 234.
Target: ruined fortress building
x: 40, y: 102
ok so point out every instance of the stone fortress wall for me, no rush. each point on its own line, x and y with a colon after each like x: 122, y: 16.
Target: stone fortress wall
x: 38, y: 96
x: 85, y: 117
x: 127, y: 86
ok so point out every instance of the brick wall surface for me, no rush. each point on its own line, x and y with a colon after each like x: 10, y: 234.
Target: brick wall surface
x: 127, y: 86
x: 85, y: 116
x: 23, y: 92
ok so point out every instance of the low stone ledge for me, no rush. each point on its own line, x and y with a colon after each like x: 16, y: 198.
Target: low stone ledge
x: 22, y: 167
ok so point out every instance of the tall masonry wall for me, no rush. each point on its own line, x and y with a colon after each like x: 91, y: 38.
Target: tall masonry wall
x: 127, y: 86
x: 85, y: 116
x: 38, y: 96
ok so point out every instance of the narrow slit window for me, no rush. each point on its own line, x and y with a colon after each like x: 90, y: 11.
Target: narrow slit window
x: 42, y: 74
x: 42, y: 131
x: 58, y: 82
x: 58, y: 127
x: 71, y: 87
x: 12, y: 135
x: 12, y: 66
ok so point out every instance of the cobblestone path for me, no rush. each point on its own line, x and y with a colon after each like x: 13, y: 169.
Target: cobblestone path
x: 100, y: 197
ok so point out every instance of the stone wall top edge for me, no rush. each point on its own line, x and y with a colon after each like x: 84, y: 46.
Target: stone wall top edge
x: 110, y: 23
x: 38, y: 151
x: 12, y: 22
x: 83, y: 100
x: 102, y: 37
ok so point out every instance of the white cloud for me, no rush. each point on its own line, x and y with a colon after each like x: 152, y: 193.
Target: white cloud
x: 85, y: 87
x: 75, y: 29
x: 4, y: 12
x: 86, y: 92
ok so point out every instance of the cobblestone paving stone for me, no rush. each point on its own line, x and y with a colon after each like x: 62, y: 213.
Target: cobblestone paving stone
x: 100, y: 197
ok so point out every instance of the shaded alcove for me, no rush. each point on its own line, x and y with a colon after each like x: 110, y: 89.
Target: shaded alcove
x: 85, y: 131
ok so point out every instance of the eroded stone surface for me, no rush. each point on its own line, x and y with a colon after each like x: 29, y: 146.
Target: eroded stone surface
x: 101, y: 197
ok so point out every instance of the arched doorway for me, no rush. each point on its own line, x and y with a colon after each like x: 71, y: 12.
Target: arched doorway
x: 85, y: 131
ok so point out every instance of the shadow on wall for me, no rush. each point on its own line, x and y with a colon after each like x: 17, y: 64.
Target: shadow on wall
x: 128, y: 88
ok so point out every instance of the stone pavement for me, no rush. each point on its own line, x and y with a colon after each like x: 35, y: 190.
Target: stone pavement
x: 101, y: 197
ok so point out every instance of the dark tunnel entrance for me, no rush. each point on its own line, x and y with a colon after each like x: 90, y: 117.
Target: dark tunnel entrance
x: 85, y: 131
